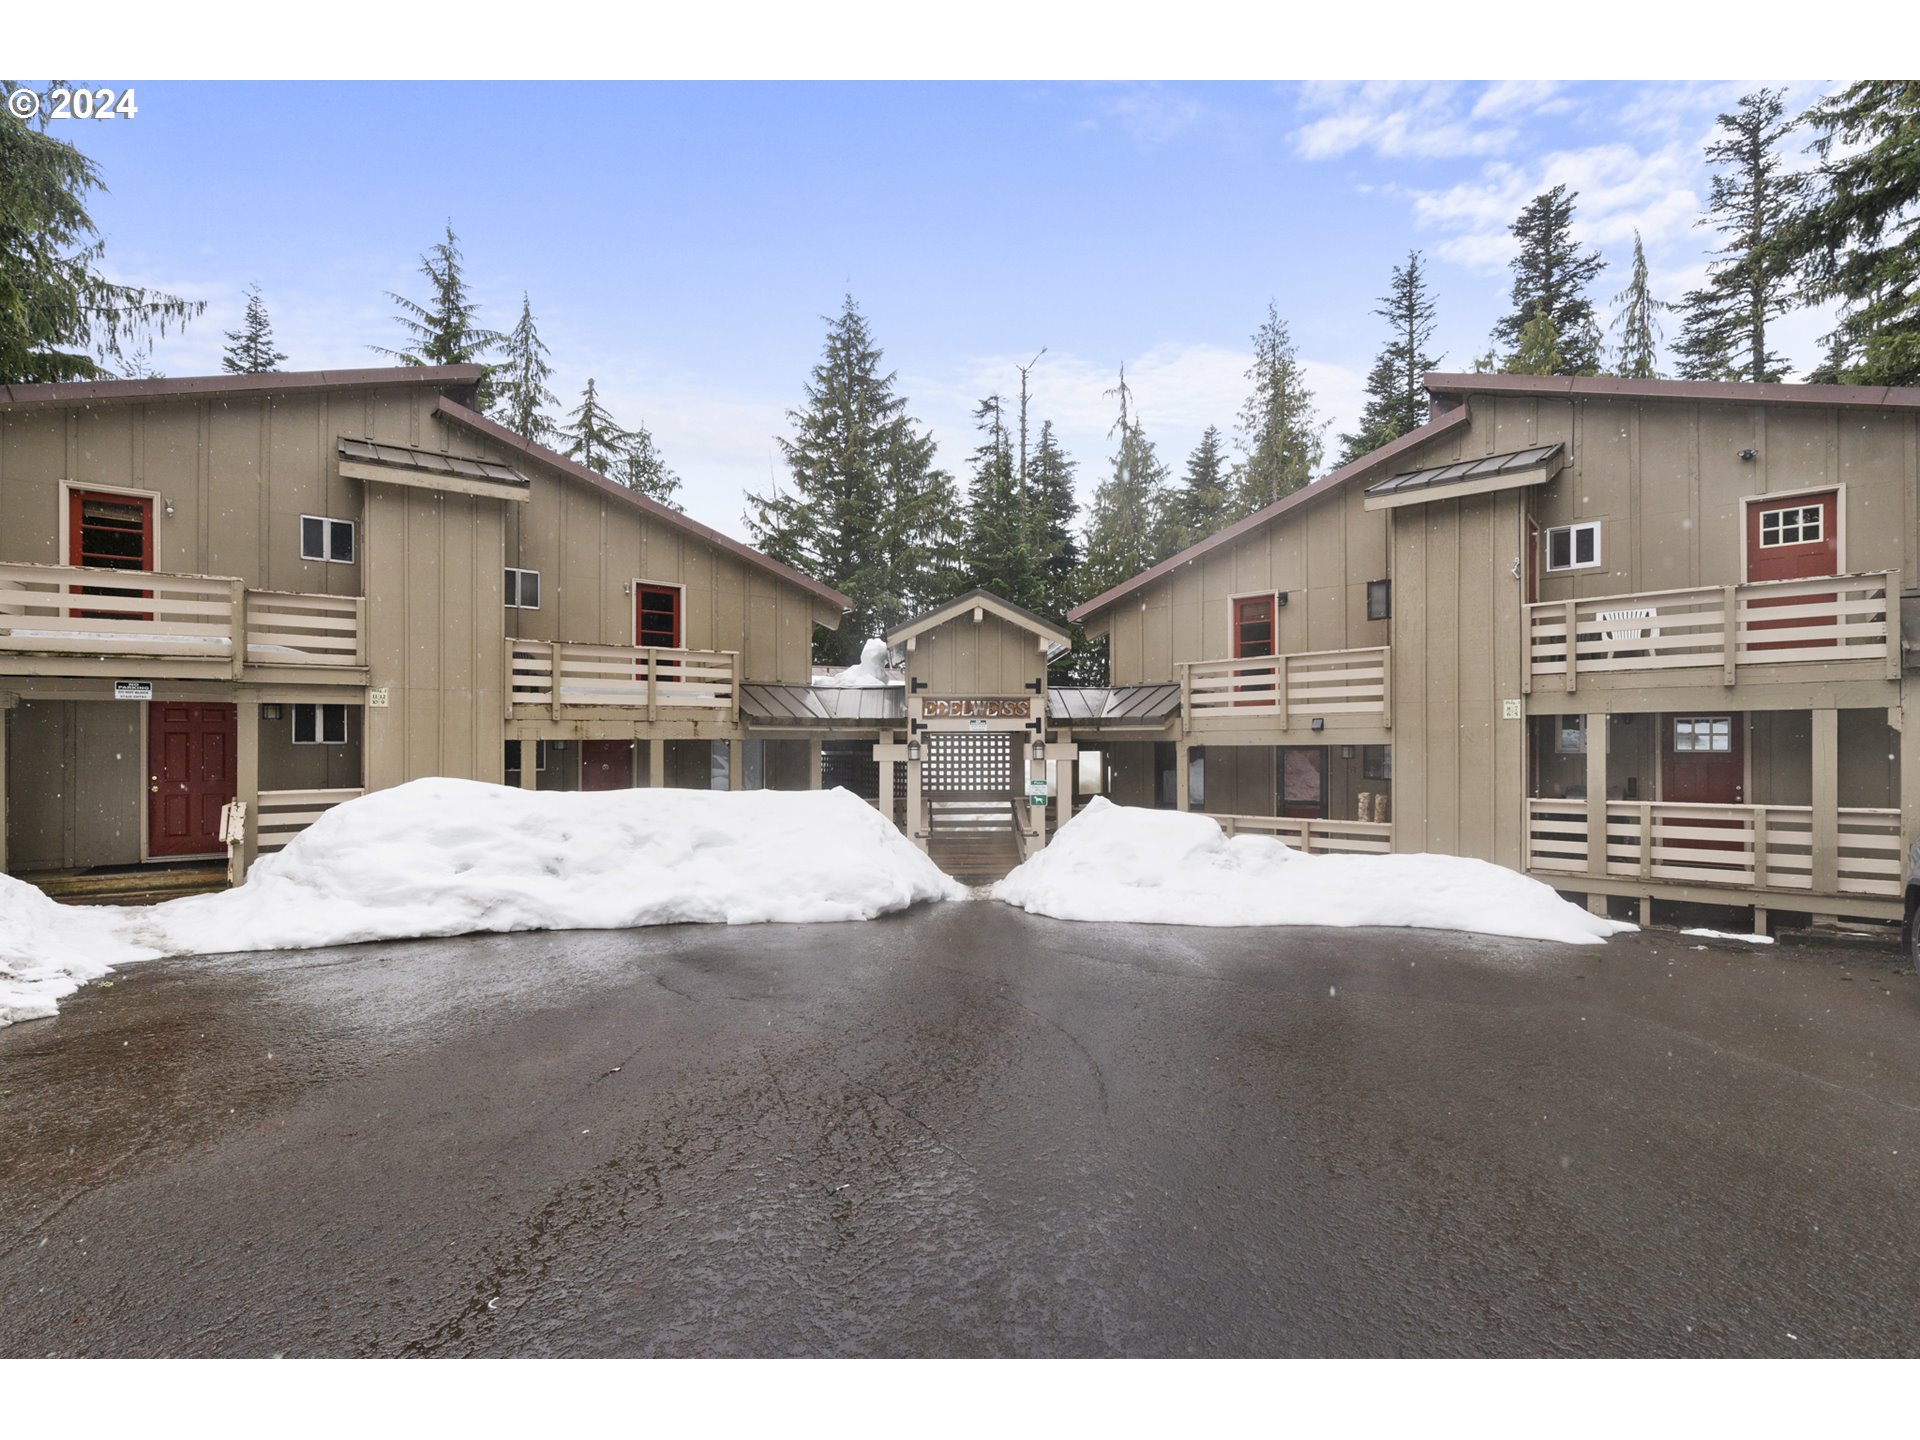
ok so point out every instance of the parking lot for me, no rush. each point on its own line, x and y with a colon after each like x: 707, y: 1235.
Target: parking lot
x: 965, y: 1131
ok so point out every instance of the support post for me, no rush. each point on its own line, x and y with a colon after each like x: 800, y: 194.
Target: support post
x: 736, y: 764
x: 916, y: 818
x: 656, y: 764
x: 1910, y: 764
x: 813, y: 764
x: 1826, y: 802
x: 6, y: 710
x: 1730, y: 634
x: 1573, y: 643
x: 1597, y: 796
x: 1182, y: 778
x: 246, y: 777
x: 529, y: 758
x: 1892, y: 602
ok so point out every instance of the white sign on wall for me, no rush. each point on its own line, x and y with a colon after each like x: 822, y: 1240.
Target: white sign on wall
x: 133, y: 690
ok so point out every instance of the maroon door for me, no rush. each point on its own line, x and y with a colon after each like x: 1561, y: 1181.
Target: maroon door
x: 606, y: 765
x: 1702, y: 762
x: 1793, y: 539
x: 109, y: 532
x: 1253, y: 638
x: 190, y: 776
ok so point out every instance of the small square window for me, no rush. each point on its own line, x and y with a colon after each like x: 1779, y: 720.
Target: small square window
x: 319, y: 724
x: 322, y: 538
x: 1795, y: 525
x: 1570, y: 735
x: 1573, y: 547
x: 1703, y: 734
x: 523, y: 589
x: 1379, y: 600
x: 1376, y: 762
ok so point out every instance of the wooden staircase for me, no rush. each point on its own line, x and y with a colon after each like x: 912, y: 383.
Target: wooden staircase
x: 974, y: 838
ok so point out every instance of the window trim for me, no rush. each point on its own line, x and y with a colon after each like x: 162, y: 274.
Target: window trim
x: 1709, y: 720
x: 327, y: 522
x: 1800, y: 509
x: 1272, y: 597
x: 1572, y: 531
x: 1781, y: 499
x: 519, y: 588
x: 319, y: 709
x: 679, y: 613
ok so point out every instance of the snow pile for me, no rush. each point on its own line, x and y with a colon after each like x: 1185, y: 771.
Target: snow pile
x: 869, y: 674
x: 455, y: 857
x: 1723, y: 935
x: 1167, y: 868
x: 48, y: 950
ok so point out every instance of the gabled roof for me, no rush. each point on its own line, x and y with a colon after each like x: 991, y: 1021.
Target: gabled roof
x: 1366, y: 464
x: 493, y: 430
x: 985, y: 600
x: 1877, y: 397
x: 108, y: 392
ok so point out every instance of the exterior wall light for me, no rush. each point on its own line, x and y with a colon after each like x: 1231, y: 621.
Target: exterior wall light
x: 913, y: 752
x: 1039, y: 749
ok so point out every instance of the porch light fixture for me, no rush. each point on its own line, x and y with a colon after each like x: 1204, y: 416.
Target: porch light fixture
x: 913, y: 752
x: 1318, y: 724
x: 269, y: 712
x: 1039, y: 749
x: 1749, y: 454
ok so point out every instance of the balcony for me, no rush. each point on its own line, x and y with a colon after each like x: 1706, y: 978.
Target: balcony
x: 1347, y: 689
x: 1315, y: 837
x: 65, y: 620
x: 1840, y: 627
x: 572, y: 681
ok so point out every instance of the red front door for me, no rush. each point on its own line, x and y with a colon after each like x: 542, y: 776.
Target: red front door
x: 1253, y: 638
x: 1795, y: 539
x: 606, y: 765
x: 190, y: 776
x: 1703, y: 762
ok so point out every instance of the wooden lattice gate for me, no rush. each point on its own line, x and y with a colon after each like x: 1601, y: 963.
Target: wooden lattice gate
x: 970, y: 786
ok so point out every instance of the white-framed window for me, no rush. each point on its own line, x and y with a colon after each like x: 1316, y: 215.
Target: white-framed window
x: 523, y: 589
x: 1570, y: 735
x: 323, y: 538
x: 1793, y: 525
x: 1702, y: 734
x: 1574, y: 547
x: 319, y: 724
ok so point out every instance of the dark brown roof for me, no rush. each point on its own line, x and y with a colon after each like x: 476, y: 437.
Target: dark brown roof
x: 1367, y: 463
x: 110, y: 392
x: 473, y: 420
x: 1876, y: 397
x: 1464, y: 470
x: 381, y: 452
x: 1127, y: 705
x: 811, y: 704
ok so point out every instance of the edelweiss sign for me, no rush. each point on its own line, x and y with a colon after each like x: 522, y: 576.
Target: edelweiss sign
x: 976, y: 709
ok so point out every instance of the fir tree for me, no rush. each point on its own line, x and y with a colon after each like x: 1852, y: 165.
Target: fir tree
x: 999, y: 536
x: 1858, y: 240
x: 1550, y: 276
x: 60, y: 318
x: 1538, y: 352
x: 1206, y: 491
x: 1052, y: 508
x: 138, y: 365
x: 1396, y: 386
x: 866, y: 509
x: 1723, y: 334
x: 444, y: 330
x: 641, y: 468
x: 1279, y: 433
x: 250, y: 348
x: 592, y: 436
x: 1127, y: 525
x: 521, y: 396
x: 1637, y: 354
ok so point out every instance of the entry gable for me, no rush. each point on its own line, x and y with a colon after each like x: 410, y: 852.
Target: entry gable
x: 974, y: 606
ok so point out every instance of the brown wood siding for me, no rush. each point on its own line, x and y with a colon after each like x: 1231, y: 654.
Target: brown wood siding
x: 989, y: 657
x: 74, y: 791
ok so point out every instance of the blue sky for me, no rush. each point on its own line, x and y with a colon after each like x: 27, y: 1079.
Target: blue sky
x: 682, y: 241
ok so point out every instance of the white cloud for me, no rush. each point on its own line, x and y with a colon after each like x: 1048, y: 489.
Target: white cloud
x: 1151, y: 114
x: 1420, y: 120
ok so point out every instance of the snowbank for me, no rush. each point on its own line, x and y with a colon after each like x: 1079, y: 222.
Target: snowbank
x: 1723, y: 935
x: 869, y: 674
x: 455, y: 857
x: 1166, y: 868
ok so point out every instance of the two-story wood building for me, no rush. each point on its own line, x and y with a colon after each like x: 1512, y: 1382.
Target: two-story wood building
x: 288, y: 588
x: 1641, y: 639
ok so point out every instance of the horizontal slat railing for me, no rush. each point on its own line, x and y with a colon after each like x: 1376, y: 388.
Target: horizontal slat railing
x: 1722, y: 627
x: 285, y: 813
x: 1316, y: 837
x: 1288, y: 687
x: 44, y: 610
x: 561, y: 674
x: 289, y: 629
x: 1767, y: 847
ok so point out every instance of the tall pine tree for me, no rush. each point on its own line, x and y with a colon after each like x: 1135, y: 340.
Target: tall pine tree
x: 594, y: 437
x: 1052, y: 509
x: 1279, y: 435
x: 60, y: 318
x: 444, y: 330
x: 1637, y: 352
x: 641, y: 468
x: 250, y: 348
x: 999, y: 543
x: 521, y: 396
x: 1396, y: 386
x: 1858, y: 241
x: 1550, y: 279
x: 1753, y: 203
x: 865, y: 510
x: 1206, y: 490
x: 1128, y: 526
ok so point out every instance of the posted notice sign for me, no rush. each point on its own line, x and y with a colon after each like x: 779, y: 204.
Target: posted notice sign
x: 133, y: 690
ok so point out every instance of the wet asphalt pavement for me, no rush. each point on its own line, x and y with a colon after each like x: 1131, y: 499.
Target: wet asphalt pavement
x: 966, y: 1131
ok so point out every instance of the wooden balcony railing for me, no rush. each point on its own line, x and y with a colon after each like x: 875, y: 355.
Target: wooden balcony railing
x: 1720, y: 628
x: 285, y: 813
x: 559, y: 675
x: 1353, y: 684
x: 1316, y: 837
x: 1768, y: 847
x: 66, y: 610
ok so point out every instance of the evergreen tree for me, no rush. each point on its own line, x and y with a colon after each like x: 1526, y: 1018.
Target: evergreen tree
x: 1637, y: 354
x: 1538, y: 352
x: 521, y: 395
x: 999, y: 535
x: 1279, y: 433
x: 444, y: 330
x: 1052, y: 509
x: 1396, y: 386
x: 1550, y: 276
x: 1128, y: 524
x: 593, y: 437
x: 1723, y: 334
x: 250, y: 349
x: 866, y: 509
x: 1205, y: 498
x: 641, y: 468
x: 60, y: 318
x: 1858, y: 240
x: 138, y: 365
